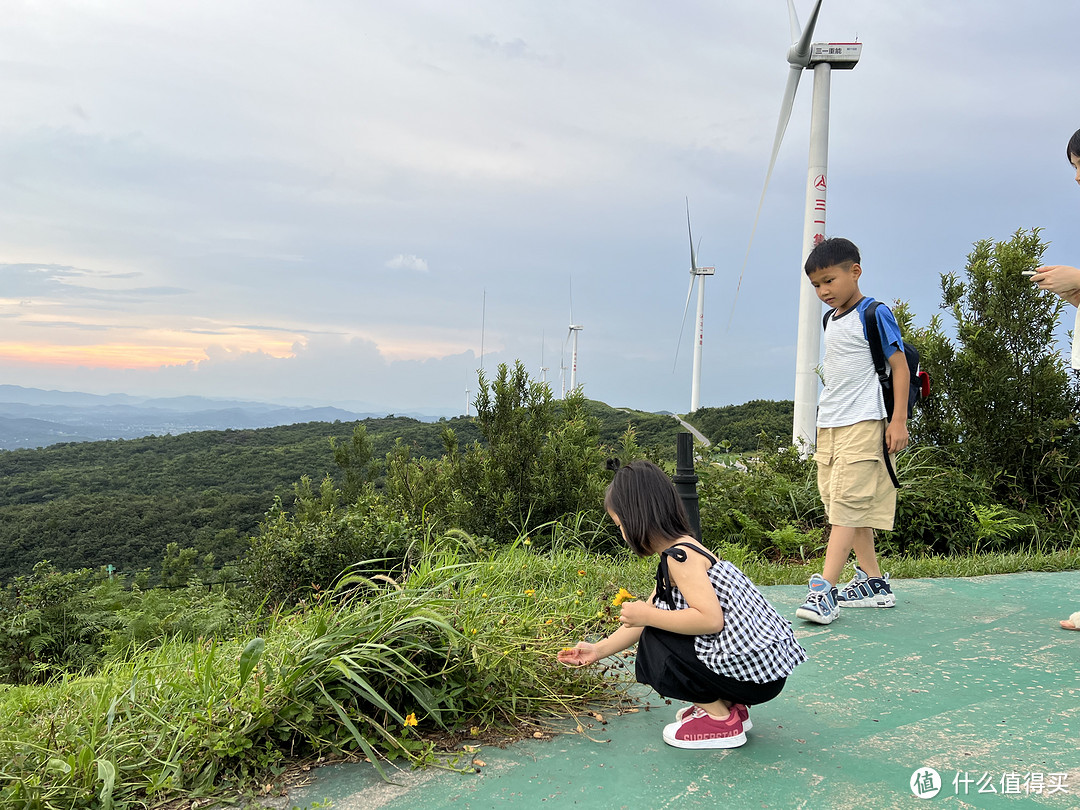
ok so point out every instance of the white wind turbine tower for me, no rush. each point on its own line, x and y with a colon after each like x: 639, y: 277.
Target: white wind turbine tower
x: 697, y: 275
x: 562, y: 371
x: 543, y: 368
x: 572, y: 332
x: 822, y: 57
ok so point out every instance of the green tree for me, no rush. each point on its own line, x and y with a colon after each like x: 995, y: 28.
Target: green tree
x: 1003, y: 401
x: 537, y: 463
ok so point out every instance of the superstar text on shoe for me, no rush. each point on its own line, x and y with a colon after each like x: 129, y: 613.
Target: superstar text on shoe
x: 820, y: 606
x: 866, y: 591
x: 744, y: 714
x: 698, y: 730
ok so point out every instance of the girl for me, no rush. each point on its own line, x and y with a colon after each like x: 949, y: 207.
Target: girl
x: 1065, y: 282
x: 706, y: 634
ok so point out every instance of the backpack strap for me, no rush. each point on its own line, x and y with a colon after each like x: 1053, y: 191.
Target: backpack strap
x: 873, y: 336
x: 663, y: 579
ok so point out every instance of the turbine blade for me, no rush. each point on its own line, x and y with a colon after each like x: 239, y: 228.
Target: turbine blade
x: 802, y: 47
x: 793, y: 21
x: 693, y: 255
x: 682, y: 326
x: 794, y: 74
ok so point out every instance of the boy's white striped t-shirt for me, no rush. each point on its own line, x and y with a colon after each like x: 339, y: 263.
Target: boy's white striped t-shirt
x: 852, y: 391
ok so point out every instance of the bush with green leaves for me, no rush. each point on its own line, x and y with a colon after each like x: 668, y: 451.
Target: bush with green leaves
x: 538, y: 464
x: 1004, y: 403
x: 54, y: 623
x: 304, y: 551
x: 767, y: 502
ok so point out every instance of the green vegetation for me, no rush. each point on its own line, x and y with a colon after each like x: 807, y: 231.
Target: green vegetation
x: 400, y: 602
x: 745, y: 428
x: 121, y: 503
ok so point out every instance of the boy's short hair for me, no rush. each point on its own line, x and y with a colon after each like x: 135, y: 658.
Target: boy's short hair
x: 1073, y: 149
x: 831, y: 252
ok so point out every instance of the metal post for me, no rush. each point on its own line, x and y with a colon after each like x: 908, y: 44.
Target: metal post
x: 685, y: 480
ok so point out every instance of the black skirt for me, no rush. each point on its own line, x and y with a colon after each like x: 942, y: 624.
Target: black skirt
x: 668, y: 663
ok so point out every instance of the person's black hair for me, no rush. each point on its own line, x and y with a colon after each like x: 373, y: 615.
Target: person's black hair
x: 831, y: 252
x: 1073, y: 149
x: 647, y: 505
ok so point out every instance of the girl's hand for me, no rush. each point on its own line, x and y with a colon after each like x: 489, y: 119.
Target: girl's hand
x: 635, y: 614
x: 582, y: 654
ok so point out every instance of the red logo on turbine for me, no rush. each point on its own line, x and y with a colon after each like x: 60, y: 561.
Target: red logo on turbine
x: 820, y: 181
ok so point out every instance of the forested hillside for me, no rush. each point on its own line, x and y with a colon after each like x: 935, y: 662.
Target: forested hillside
x: 741, y: 426
x: 121, y: 503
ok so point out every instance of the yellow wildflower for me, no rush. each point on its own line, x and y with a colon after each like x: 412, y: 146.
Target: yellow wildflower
x: 622, y: 596
x: 530, y: 591
x: 411, y: 719
x: 581, y: 572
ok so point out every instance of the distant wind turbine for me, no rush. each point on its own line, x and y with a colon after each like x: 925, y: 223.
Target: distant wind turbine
x: 483, y: 324
x: 572, y: 332
x: 821, y: 57
x: 562, y: 371
x: 543, y: 368
x: 696, y: 273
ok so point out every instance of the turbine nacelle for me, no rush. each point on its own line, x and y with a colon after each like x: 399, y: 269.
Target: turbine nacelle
x: 838, y: 55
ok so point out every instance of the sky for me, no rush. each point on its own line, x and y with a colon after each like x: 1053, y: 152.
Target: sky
x: 361, y: 203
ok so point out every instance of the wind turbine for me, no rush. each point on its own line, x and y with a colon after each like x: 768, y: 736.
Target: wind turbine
x: 572, y: 332
x: 699, y: 333
x: 822, y: 57
x: 543, y: 368
x: 562, y: 371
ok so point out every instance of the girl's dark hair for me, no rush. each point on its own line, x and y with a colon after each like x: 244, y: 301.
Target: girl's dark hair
x: 647, y: 505
x: 1073, y: 149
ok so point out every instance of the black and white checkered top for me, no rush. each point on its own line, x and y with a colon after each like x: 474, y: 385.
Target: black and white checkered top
x: 756, y: 643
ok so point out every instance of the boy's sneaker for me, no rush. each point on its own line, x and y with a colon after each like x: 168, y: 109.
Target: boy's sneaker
x: 698, y: 730
x: 820, y: 605
x: 743, y: 712
x: 864, y: 591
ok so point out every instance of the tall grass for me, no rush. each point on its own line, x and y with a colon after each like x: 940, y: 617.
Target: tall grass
x: 466, y: 639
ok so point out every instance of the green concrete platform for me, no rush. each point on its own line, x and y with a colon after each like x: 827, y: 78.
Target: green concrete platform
x: 971, y: 677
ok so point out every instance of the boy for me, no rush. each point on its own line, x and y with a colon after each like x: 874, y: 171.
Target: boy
x: 852, y: 477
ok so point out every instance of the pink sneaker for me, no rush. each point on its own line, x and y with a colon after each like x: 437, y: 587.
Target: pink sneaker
x: 744, y: 714
x: 698, y: 730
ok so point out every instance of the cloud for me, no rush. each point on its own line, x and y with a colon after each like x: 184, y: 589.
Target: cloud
x: 408, y: 262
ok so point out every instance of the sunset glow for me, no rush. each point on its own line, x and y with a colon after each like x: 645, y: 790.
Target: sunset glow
x: 120, y: 355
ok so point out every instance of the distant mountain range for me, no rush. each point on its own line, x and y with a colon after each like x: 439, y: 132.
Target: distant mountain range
x: 31, y: 417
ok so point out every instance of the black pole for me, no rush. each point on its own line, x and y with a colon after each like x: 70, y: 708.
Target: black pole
x: 685, y: 480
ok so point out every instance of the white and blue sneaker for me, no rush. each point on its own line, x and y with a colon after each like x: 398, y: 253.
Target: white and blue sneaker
x: 865, y: 591
x: 820, y: 605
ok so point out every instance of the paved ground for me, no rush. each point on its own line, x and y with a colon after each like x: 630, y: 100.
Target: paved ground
x: 970, y: 677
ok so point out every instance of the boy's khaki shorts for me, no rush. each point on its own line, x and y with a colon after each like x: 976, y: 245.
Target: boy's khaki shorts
x: 852, y: 479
